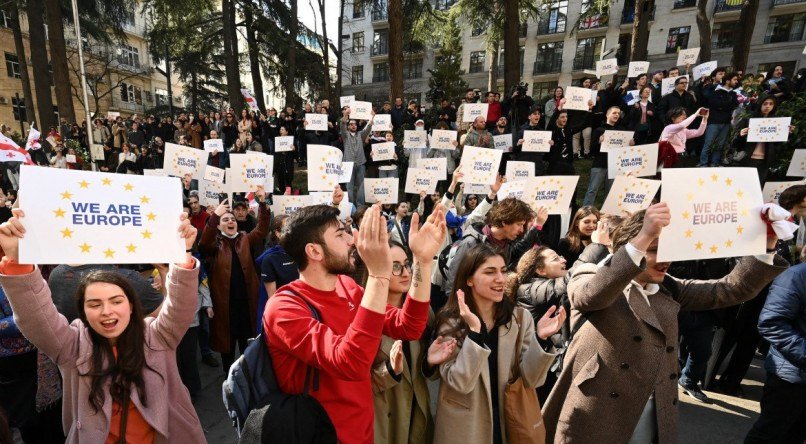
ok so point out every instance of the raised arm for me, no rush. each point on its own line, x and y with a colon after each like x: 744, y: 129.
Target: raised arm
x: 258, y: 234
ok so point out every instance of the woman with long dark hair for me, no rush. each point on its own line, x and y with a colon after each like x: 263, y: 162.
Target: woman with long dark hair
x: 759, y: 155
x: 579, y: 234
x: 491, y: 332
x: 121, y: 383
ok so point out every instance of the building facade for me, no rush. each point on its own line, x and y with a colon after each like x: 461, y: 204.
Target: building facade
x: 557, y: 48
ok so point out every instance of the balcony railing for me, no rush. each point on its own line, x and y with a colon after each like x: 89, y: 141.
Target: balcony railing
x: 584, y: 62
x: 379, y: 48
x: 786, y: 2
x: 500, y: 70
x: 547, y: 66
x: 379, y: 15
x: 547, y: 26
x: 380, y: 78
x: 628, y: 14
x: 725, y: 6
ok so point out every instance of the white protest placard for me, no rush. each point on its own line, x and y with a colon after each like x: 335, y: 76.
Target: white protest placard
x: 519, y: 170
x: 443, y: 139
x: 288, y: 205
x: 326, y: 197
x: 473, y: 110
x: 804, y: 50
x: 346, y: 101
x: 513, y: 189
x: 772, y: 190
x: 97, y: 152
x: 112, y: 114
x: 250, y: 170
x: 615, y: 140
x: 324, y: 167
x: 415, y: 139
x: 503, y: 142
x: 553, y: 193
x: 84, y: 217
x: 704, y: 69
x: 420, y: 180
x: 361, y: 110
x: 346, y: 173
x: 715, y: 213
x: 635, y: 96
x: 536, y: 141
x: 383, y: 151
x: 382, y: 122
x: 438, y: 165
x: 630, y: 194
x: 211, y: 193
x: 769, y: 129
x: 797, y: 166
x: 577, y: 98
x: 70, y: 158
x: 383, y: 191
x: 640, y: 160
x: 606, y: 67
x: 155, y: 172
x: 480, y: 165
x: 637, y: 68
x: 211, y: 145
x: 667, y: 84
x: 688, y: 56
x: 475, y: 188
x: 181, y: 160
x: 283, y: 144
x: 316, y: 122
x: 213, y: 174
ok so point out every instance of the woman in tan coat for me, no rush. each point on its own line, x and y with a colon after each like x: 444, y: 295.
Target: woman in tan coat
x: 619, y: 380
x: 487, y: 325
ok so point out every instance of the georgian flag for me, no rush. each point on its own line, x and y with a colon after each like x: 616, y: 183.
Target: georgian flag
x: 247, y: 95
x: 33, y: 140
x: 11, y: 152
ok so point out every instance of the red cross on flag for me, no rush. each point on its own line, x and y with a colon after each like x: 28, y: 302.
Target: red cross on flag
x: 250, y: 99
x: 33, y: 140
x: 11, y: 152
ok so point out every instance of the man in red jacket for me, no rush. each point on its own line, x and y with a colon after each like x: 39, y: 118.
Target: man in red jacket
x: 344, y: 344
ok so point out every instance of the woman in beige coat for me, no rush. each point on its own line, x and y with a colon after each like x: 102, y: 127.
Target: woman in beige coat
x: 470, y: 407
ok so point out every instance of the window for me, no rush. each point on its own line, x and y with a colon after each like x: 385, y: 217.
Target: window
x: 12, y: 65
x: 623, y: 53
x: 549, y: 58
x: 442, y: 5
x: 357, y: 75
x: 380, y: 72
x: 130, y: 94
x: 789, y: 67
x: 358, y: 41
x: 587, y: 53
x: 18, y: 107
x: 593, y: 19
x: 723, y: 34
x: 785, y: 28
x: 553, y: 17
x: 379, y: 11
x: 476, y: 61
x: 678, y: 39
x: 523, y: 29
x: 477, y: 31
x: 161, y: 97
x: 413, y: 69
x: 358, y: 10
x: 129, y: 55
x: 684, y: 4
x: 543, y: 90
x: 380, y: 43
x: 5, y: 19
x: 502, y: 62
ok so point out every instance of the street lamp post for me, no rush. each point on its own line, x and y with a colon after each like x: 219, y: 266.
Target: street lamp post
x: 80, y: 45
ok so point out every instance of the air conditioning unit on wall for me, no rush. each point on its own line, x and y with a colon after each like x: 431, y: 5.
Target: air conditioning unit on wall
x: 2, y: 100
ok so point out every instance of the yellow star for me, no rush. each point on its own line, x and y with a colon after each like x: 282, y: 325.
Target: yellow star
x: 66, y: 233
x: 84, y: 184
x: 109, y: 252
x: 739, y: 229
x: 689, y: 233
x: 151, y: 216
x: 146, y: 234
x: 66, y: 195
x: 713, y: 249
x: 714, y: 177
x: 685, y: 215
x: 728, y: 181
x: 698, y: 246
x: 739, y: 194
x: 59, y: 212
x: 728, y: 243
x: 85, y: 247
x: 131, y: 248
x: 144, y: 199
x: 128, y: 187
x: 700, y: 182
x: 690, y: 196
x: 106, y: 181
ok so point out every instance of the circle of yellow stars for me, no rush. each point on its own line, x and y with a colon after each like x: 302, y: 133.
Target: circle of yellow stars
x: 714, y: 181
x: 550, y: 183
x: 630, y: 152
x: 85, y: 247
x: 636, y: 185
x: 334, y: 157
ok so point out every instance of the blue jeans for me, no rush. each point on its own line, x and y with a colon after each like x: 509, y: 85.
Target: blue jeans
x: 697, y: 331
x: 355, y: 189
x: 598, y: 176
x: 716, y: 134
x: 387, y: 173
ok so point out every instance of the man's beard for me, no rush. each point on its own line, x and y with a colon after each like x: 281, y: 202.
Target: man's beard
x: 339, y: 265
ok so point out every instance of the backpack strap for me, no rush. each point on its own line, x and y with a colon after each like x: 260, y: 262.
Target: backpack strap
x: 311, y: 373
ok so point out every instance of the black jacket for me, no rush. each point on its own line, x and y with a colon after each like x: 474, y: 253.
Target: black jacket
x: 721, y: 104
x: 673, y: 100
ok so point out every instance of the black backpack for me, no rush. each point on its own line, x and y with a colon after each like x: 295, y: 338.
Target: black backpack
x: 261, y: 412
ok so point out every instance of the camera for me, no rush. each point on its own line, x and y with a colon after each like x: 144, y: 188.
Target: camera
x: 520, y: 89
x: 476, y: 95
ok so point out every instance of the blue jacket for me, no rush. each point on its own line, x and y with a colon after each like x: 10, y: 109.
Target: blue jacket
x: 783, y: 323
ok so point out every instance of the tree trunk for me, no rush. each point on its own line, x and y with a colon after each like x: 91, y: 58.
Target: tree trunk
x: 194, y: 91
x: 58, y: 59
x: 39, y: 62
x: 340, y: 49
x: 492, y: 76
x: 395, y: 17
x: 231, y: 56
x: 512, y: 65
x: 19, y: 46
x: 254, y: 58
x: 741, y: 47
x: 291, y: 69
x: 326, y: 91
x: 640, y: 30
x: 704, y: 28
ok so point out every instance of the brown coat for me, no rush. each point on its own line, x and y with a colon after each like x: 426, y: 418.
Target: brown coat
x: 627, y: 349
x: 196, y: 135
x: 216, y: 251
x: 464, y: 409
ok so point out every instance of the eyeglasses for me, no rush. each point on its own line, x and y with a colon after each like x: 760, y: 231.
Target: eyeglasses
x: 397, y: 268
